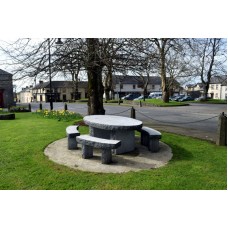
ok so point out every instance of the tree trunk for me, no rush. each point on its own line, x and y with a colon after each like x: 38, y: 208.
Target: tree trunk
x: 95, y: 86
x: 108, y: 84
x: 165, y: 92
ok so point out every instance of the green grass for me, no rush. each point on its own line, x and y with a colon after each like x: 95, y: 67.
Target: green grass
x: 211, y: 101
x: 196, y: 164
x: 159, y: 102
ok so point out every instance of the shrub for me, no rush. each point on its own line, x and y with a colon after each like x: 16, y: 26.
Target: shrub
x: 19, y: 109
x: 64, y: 115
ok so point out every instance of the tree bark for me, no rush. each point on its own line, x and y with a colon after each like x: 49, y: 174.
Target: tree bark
x: 95, y: 86
x: 165, y: 92
x: 108, y: 83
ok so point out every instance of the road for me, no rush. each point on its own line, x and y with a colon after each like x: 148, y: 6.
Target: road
x: 196, y: 120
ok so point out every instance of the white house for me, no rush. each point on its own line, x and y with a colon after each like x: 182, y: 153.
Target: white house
x: 25, y: 95
x: 61, y: 91
x: 218, y: 87
x: 123, y: 85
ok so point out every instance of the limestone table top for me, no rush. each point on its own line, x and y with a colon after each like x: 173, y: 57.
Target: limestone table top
x: 110, y: 122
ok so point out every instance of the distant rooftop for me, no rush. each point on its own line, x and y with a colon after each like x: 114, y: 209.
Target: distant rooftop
x: 2, y: 72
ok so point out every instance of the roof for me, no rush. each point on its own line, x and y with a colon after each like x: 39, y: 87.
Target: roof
x: 2, y: 72
x: 218, y: 79
x: 60, y: 84
x: 135, y: 79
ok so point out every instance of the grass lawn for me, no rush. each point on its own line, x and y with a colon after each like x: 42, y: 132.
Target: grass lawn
x: 196, y: 164
x: 160, y: 103
x: 211, y: 101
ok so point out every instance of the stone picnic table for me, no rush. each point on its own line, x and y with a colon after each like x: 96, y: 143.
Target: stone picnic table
x: 114, y: 127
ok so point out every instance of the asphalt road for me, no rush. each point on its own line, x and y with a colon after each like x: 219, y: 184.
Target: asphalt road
x: 196, y: 120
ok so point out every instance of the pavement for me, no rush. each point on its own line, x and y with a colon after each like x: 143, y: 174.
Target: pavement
x: 139, y: 159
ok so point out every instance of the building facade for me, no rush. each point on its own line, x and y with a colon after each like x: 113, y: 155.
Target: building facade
x: 123, y: 85
x: 218, y: 88
x: 26, y: 95
x: 61, y: 91
x: 6, y: 89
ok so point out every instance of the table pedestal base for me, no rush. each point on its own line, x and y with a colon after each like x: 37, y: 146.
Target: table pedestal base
x: 127, y: 138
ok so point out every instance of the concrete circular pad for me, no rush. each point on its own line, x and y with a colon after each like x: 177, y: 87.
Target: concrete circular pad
x: 137, y: 160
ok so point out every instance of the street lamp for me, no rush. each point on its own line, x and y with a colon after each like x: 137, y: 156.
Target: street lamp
x: 49, y: 69
x: 59, y: 42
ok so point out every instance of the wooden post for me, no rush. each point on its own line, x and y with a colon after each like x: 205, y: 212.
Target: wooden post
x: 140, y: 104
x: 222, y: 130
x: 132, y: 112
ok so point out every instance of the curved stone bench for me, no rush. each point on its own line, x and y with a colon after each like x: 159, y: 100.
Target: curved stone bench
x: 89, y: 142
x: 7, y: 116
x: 150, y: 138
x: 72, y: 132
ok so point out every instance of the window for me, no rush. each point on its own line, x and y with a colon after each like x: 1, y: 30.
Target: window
x: 121, y: 86
x: 64, y: 90
x: 212, y: 86
x: 152, y: 86
x: 133, y: 86
x: 216, y: 95
x: 216, y: 86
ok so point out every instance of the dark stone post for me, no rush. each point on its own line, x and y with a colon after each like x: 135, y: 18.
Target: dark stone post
x: 222, y: 130
x: 40, y: 106
x: 132, y: 112
x: 29, y: 107
x: 65, y: 107
x: 140, y: 104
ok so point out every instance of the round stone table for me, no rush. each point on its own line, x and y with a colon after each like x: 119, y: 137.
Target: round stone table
x: 114, y: 127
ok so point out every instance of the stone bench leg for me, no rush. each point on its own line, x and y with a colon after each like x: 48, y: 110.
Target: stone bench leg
x: 153, y: 145
x: 72, y: 143
x: 87, y: 151
x: 144, y: 139
x: 106, y: 156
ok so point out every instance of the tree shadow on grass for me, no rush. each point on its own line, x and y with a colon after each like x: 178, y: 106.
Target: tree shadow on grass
x: 179, y: 153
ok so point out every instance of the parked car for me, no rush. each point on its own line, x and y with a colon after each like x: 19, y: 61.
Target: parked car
x: 199, y: 99
x: 173, y: 97
x: 140, y: 98
x: 155, y: 94
x: 131, y: 96
x: 186, y: 98
x: 177, y: 98
x: 159, y: 97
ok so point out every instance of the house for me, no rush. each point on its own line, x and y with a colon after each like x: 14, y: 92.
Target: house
x: 218, y: 87
x: 123, y: 85
x: 194, y: 90
x: 61, y: 91
x: 26, y: 95
x: 6, y: 89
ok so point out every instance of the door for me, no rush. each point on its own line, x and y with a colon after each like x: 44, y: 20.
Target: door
x: 1, y: 99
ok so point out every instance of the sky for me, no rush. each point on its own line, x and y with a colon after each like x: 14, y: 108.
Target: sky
x: 117, y: 19
x: 114, y: 18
